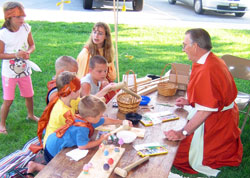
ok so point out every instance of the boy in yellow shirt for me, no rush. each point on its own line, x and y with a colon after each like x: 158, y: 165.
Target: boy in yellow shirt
x: 67, y: 98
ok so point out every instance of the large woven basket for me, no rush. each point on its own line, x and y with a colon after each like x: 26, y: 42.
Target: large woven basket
x: 167, y: 88
x: 126, y: 102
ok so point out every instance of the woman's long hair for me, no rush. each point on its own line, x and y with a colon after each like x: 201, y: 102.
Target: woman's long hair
x: 108, y: 49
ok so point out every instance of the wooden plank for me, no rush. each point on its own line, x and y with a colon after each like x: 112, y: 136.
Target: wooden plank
x: 99, y: 159
x: 142, y: 80
x: 148, y: 90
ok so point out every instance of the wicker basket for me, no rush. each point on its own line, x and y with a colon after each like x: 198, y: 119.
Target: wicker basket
x: 166, y: 88
x: 126, y: 102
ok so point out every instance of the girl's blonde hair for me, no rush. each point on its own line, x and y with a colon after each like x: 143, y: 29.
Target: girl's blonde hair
x: 8, y: 6
x: 108, y: 49
x: 91, y: 106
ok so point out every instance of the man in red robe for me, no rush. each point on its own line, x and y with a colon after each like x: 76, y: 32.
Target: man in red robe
x: 211, y: 138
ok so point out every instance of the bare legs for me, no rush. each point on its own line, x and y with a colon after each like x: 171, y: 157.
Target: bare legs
x: 4, y: 113
x: 29, y: 105
x: 34, y: 167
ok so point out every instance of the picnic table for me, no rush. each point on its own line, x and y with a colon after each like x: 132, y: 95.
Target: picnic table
x: 158, y: 166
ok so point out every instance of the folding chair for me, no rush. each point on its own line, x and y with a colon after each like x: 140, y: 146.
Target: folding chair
x: 240, y: 68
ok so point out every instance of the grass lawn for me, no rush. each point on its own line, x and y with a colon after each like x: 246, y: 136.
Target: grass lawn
x: 152, y: 48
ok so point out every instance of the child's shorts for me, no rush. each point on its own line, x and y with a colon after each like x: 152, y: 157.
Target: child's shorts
x: 24, y: 84
x: 47, y: 156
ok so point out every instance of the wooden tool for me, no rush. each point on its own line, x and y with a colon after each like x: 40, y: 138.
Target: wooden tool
x: 124, y: 126
x: 119, y: 85
x: 138, y: 131
x: 123, y: 86
x: 124, y: 172
x: 131, y: 92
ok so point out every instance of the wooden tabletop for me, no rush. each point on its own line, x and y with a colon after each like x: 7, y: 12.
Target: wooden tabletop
x: 62, y: 167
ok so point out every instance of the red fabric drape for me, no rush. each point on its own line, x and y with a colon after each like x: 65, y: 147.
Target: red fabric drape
x: 70, y: 120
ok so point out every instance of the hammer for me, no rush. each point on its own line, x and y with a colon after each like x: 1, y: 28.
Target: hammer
x: 122, y: 85
x: 124, y: 126
x: 124, y: 172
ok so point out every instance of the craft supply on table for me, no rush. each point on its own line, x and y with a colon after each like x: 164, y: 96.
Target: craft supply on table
x: 134, y: 118
x: 77, y: 154
x: 110, y: 161
x: 148, y: 107
x: 117, y: 149
x: 112, y: 139
x: 152, y: 118
x: 124, y: 126
x: 146, y: 121
x: 126, y: 136
x: 129, y: 101
x: 150, y: 149
x: 165, y: 104
x: 123, y: 172
x: 114, y: 103
x: 106, y: 166
x: 106, y: 152
x: 86, y: 168
x: 98, y: 161
x: 121, y: 142
x: 166, y: 88
x: 153, y: 77
x: 144, y: 100
x: 138, y: 131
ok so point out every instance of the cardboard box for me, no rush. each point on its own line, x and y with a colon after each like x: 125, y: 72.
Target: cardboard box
x: 183, y: 71
x: 181, y: 86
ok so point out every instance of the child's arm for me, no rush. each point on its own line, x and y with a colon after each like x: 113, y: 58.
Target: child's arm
x: 5, y: 55
x: 111, y: 121
x: 106, y: 89
x: 95, y: 143
x: 85, y: 89
x: 20, y: 53
x: 31, y: 43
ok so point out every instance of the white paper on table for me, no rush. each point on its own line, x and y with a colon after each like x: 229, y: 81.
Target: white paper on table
x: 34, y: 66
x: 77, y: 154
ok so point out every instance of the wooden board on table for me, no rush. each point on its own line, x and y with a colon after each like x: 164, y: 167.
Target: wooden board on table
x: 99, y: 159
x: 139, y: 132
x: 148, y: 90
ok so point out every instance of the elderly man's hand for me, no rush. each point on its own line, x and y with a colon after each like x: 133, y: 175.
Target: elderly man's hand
x: 173, y: 135
x: 181, y: 101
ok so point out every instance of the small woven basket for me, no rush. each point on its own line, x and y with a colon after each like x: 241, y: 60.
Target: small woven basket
x: 126, y: 102
x: 166, y: 88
